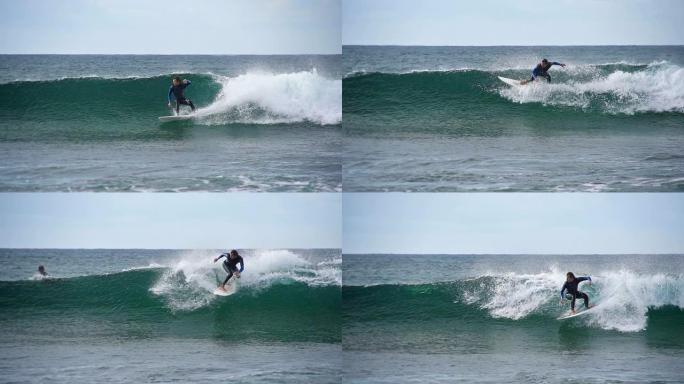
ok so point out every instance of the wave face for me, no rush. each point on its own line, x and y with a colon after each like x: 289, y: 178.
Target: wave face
x: 281, y: 297
x: 96, y: 103
x: 628, y: 302
x: 472, y: 96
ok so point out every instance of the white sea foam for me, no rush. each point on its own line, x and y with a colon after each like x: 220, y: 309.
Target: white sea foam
x: 189, y: 280
x: 657, y: 88
x: 265, y: 98
x: 623, y: 297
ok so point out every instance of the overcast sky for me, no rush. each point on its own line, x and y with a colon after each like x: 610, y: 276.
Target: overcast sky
x: 170, y: 221
x: 171, y: 27
x: 508, y: 22
x: 513, y: 223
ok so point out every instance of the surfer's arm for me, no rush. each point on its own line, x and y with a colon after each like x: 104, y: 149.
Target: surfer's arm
x: 222, y: 255
x: 168, y: 96
x: 563, y: 290
x: 186, y: 83
x: 242, y: 265
x: 557, y: 63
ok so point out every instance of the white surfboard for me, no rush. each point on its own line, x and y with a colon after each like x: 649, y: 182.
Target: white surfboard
x: 175, y: 118
x: 570, y: 315
x: 230, y: 289
x: 511, y: 82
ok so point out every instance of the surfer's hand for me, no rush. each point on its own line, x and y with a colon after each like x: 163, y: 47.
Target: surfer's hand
x: 215, y: 259
x: 237, y: 274
x: 169, y: 105
x: 563, y: 65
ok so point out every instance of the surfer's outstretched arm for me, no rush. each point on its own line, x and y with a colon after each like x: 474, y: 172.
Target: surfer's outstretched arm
x: 584, y: 278
x: 222, y: 255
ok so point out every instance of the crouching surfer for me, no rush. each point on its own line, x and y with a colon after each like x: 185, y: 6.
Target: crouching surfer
x: 572, y: 286
x: 233, y: 258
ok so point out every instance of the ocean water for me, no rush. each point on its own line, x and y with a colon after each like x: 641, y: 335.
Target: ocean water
x: 150, y: 316
x: 438, y: 119
x: 492, y: 319
x: 90, y: 123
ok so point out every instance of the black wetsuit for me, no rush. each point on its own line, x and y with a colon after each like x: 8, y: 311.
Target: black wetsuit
x: 230, y: 266
x: 177, y: 92
x: 542, y: 71
x: 572, y: 288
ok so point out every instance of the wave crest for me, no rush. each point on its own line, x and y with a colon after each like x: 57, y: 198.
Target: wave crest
x: 260, y: 98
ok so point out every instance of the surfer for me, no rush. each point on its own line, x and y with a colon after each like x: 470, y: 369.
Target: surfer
x: 541, y: 70
x: 571, y: 285
x: 177, y: 89
x: 230, y: 266
x: 41, y: 271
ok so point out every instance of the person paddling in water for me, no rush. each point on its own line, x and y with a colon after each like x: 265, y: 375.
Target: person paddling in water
x: 177, y: 90
x: 541, y: 70
x: 230, y: 266
x: 571, y: 285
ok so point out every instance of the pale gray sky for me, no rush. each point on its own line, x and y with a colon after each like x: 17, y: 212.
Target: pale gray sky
x: 518, y: 22
x: 170, y: 221
x: 513, y: 223
x: 171, y: 27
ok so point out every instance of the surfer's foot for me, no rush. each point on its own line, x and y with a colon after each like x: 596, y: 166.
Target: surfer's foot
x: 573, y: 311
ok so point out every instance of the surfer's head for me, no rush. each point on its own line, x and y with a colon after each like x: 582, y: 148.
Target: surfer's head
x: 234, y: 254
x: 41, y: 269
x: 176, y: 80
x: 569, y: 276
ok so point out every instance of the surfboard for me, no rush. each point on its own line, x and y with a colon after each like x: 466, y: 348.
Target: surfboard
x: 511, y: 82
x: 230, y: 289
x: 578, y: 313
x: 175, y: 118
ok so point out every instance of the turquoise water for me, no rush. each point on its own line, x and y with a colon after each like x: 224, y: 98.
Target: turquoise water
x: 438, y: 119
x: 450, y: 318
x: 134, y: 315
x: 90, y: 123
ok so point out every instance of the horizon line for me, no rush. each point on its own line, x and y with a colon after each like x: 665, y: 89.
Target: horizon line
x: 516, y: 45
x: 511, y: 254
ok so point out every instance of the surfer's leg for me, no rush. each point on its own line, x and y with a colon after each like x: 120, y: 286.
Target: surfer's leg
x: 230, y: 274
x: 177, y: 106
x: 586, y: 299
x: 192, y: 106
x: 572, y: 302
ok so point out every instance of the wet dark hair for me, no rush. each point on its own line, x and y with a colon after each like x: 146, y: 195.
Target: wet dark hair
x: 234, y: 253
x: 544, y: 61
x: 177, y: 78
x: 570, y: 274
x: 41, y: 268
